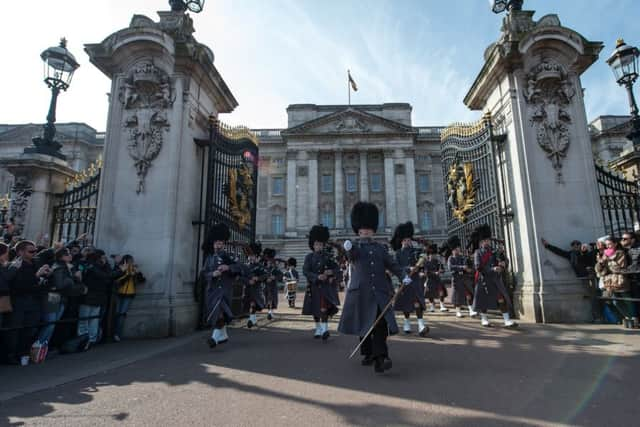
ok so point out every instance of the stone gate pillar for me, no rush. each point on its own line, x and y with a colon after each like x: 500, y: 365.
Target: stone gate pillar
x: 164, y: 86
x: 530, y: 83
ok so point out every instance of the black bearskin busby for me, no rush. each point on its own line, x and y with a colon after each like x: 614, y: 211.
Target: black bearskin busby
x: 292, y: 262
x: 318, y: 233
x: 401, y: 232
x: 255, y: 248
x: 364, y: 215
x: 269, y: 253
x: 453, y: 242
x: 219, y: 232
x: 480, y: 233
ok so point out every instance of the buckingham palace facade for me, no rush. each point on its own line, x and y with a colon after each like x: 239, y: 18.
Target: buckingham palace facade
x: 331, y: 156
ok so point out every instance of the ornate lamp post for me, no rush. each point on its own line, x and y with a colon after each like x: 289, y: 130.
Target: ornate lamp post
x: 194, y: 6
x: 624, y: 63
x: 59, y: 66
x: 500, y: 6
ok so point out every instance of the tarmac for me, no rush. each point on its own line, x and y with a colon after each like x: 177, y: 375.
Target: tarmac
x: 277, y: 374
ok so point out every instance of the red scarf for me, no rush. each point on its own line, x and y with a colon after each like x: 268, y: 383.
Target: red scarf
x: 483, y: 262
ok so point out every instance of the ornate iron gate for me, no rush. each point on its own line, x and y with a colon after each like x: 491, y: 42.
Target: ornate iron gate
x: 470, y: 168
x: 619, y: 200
x: 231, y: 176
x: 75, y: 212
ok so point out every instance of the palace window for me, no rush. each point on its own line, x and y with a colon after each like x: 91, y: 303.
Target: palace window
x: 423, y: 183
x: 277, y: 188
x: 426, y: 220
x: 327, y: 219
x: 376, y: 182
x: 326, y: 184
x: 352, y: 185
x: 277, y: 224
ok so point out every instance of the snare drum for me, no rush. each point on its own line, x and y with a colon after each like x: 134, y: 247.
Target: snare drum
x: 292, y: 285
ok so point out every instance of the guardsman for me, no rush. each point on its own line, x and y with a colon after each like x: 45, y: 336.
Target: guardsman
x: 369, y: 292
x: 461, y: 278
x: 254, y: 274
x: 274, y: 275
x: 322, y: 272
x: 410, y: 259
x: 219, y: 271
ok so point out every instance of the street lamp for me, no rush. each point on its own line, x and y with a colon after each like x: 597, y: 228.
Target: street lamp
x: 500, y: 6
x: 59, y: 66
x: 624, y: 63
x: 194, y: 6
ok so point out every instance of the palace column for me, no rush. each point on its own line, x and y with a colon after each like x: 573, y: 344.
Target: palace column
x: 339, y: 191
x: 389, y: 190
x: 291, y: 192
x: 364, y: 176
x: 410, y: 173
x: 313, y: 187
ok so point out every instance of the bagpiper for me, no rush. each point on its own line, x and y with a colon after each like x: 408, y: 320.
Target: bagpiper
x: 274, y: 275
x: 489, y: 292
x: 254, y: 275
x: 410, y: 259
x: 290, y: 278
x: 219, y: 271
x: 322, y: 272
x: 461, y: 277
x: 433, y: 268
x: 368, y: 291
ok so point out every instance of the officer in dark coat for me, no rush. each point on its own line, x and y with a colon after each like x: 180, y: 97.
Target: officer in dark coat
x: 433, y: 268
x: 489, y: 292
x: 254, y: 274
x: 218, y: 273
x: 461, y: 271
x: 274, y: 276
x: 322, y: 272
x: 411, y: 260
x: 290, y: 278
x: 369, y: 292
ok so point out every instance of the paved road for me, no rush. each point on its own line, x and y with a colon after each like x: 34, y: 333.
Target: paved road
x: 462, y: 375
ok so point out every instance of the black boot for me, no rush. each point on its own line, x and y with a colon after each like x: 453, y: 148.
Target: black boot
x: 382, y: 364
x: 367, y: 360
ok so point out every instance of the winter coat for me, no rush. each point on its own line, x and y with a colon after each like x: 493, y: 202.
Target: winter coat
x: 320, y: 292
x: 611, y: 269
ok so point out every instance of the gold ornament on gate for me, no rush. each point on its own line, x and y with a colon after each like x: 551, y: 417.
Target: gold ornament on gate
x: 461, y: 191
x: 240, y: 192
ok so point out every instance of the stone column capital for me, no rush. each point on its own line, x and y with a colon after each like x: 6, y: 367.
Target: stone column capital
x: 312, y: 154
x: 388, y: 153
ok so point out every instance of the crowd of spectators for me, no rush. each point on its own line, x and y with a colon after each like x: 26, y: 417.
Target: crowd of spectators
x: 67, y: 297
x: 611, y: 267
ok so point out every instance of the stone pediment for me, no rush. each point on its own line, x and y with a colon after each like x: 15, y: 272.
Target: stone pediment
x: 349, y: 122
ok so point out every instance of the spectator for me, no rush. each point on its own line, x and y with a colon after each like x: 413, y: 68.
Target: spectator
x: 632, y: 247
x: 61, y: 282
x: 611, y: 266
x: 579, y: 256
x: 5, y: 299
x: 9, y: 232
x: 98, y: 283
x: 25, y: 276
x: 128, y: 277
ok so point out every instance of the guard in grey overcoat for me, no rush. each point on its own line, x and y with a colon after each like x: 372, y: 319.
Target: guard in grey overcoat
x: 433, y: 268
x: 369, y: 292
x: 461, y: 271
x: 322, y: 272
x: 411, y: 259
x: 219, y: 272
x: 274, y: 276
x: 254, y: 275
x: 489, y: 292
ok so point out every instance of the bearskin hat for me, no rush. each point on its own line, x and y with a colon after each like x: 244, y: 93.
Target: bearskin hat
x: 364, y: 215
x: 401, y: 232
x: 219, y: 232
x: 255, y: 248
x: 318, y: 233
x: 484, y: 232
x: 269, y: 253
x: 453, y: 242
x: 292, y: 262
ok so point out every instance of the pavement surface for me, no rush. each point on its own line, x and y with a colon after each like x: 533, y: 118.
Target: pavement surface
x: 277, y: 374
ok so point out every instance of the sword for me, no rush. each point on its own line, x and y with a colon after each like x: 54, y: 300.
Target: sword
x: 382, y: 313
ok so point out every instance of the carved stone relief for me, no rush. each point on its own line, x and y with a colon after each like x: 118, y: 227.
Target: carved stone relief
x: 146, y: 95
x: 21, y: 193
x: 549, y: 93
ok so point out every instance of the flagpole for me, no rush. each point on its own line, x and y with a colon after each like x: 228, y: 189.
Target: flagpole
x: 349, y: 87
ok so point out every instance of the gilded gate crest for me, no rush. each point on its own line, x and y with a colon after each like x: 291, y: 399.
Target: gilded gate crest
x: 460, y: 190
x: 240, y: 191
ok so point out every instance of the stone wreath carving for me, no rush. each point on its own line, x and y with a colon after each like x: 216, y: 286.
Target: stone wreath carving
x: 21, y: 193
x: 549, y: 93
x: 147, y: 93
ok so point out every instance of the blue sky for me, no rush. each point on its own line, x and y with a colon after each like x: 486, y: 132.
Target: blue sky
x: 273, y: 53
